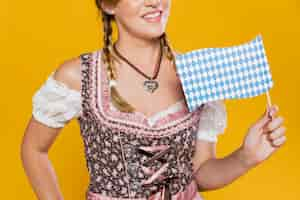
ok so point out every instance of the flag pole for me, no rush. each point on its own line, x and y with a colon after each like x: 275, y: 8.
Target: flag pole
x: 269, y: 102
x: 269, y: 99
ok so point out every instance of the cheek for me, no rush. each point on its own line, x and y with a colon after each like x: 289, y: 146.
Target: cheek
x: 130, y: 8
x: 166, y: 5
x: 130, y: 14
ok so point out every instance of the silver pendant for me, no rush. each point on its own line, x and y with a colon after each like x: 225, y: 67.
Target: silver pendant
x: 150, y: 85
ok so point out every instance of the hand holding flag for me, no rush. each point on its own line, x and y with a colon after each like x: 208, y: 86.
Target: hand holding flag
x: 263, y: 138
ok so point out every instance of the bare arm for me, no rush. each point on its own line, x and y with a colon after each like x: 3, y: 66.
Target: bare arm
x: 36, y: 143
x: 214, y: 173
x: 38, y: 139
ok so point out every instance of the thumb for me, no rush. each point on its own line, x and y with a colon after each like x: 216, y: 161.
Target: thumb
x: 266, y: 117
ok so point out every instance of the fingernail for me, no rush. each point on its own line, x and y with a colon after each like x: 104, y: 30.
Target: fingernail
x: 273, y: 110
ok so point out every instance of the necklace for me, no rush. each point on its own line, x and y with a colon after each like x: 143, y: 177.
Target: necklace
x: 150, y: 85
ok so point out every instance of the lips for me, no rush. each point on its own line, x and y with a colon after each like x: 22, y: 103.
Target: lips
x: 152, y: 14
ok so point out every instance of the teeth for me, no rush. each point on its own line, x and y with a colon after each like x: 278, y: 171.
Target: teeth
x: 152, y: 15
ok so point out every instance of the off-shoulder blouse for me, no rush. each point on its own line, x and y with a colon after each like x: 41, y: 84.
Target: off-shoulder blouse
x: 54, y: 104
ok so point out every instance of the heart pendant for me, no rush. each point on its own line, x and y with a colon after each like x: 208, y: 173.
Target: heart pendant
x: 150, y: 85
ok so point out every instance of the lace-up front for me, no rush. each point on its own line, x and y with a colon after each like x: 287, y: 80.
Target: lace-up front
x: 157, y: 153
x: 132, y: 160
x: 129, y: 156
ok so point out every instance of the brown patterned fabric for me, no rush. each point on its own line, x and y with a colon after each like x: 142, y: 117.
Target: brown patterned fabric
x: 130, y: 160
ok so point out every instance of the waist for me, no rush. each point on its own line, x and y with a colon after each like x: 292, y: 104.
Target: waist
x: 189, y: 193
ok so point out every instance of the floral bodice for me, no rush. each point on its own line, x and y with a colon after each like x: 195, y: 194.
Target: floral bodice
x: 128, y: 155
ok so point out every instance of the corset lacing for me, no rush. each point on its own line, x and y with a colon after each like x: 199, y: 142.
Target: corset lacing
x: 155, y: 153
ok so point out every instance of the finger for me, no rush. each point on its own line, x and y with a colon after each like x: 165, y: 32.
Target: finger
x: 266, y: 117
x: 277, y: 133
x: 275, y: 123
x: 279, y: 141
x: 273, y: 111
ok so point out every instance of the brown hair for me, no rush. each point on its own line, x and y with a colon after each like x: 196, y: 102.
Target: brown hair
x: 107, y: 56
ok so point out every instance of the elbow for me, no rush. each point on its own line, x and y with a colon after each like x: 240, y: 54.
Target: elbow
x: 25, y: 154
x: 212, y: 184
x: 24, y: 147
x: 205, y: 186
x: 25, y: 151
x: 205, y: 179
x: 28, y: 151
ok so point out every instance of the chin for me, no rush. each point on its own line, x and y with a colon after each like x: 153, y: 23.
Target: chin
x: 151, y: 33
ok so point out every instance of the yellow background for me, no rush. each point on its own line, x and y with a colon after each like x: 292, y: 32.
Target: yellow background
x: 36, y: 36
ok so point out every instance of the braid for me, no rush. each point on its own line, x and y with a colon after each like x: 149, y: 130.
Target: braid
x: 119, y: 102
x: 107, y: 58
x: 168, y: 50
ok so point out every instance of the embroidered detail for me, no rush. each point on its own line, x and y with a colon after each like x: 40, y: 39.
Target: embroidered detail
x: 130, y: 121
x: 121, y: 152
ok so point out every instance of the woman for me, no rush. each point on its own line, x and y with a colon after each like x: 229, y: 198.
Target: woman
x: 140, y: 140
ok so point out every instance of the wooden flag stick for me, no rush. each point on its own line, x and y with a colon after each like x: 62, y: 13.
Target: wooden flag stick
x: 269, y: 99
x: 269, y: 102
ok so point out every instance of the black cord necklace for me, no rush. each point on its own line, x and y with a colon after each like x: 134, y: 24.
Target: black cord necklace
x: 150, y: 84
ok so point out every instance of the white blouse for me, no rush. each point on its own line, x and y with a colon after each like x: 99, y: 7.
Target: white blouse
x: 54, y: 104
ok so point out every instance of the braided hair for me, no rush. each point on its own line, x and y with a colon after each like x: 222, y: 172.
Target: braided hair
x: 107, y: 57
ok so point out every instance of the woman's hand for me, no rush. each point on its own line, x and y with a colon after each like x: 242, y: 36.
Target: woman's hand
x: 264, y: 137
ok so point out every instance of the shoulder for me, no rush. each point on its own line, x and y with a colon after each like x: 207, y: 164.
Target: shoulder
x: 176, y: 52
x: 69, y: 73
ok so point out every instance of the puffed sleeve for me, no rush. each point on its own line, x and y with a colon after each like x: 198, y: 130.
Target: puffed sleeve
x: 54, y: 103
x: 213, y: 121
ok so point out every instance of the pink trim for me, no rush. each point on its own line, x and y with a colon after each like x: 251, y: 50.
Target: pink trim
x: 156, y: 175
x: 190, y: 193
x: 147, y: 170
x: 130, y: 122
x: 135, y: 116
x: 154, y: 148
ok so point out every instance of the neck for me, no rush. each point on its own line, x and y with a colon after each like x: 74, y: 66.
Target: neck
x: 141, y: 52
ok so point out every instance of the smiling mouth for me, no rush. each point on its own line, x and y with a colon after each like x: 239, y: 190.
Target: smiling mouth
x: 153, y: 17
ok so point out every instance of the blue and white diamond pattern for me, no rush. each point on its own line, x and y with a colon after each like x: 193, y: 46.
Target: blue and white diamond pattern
x: 210, y: 74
